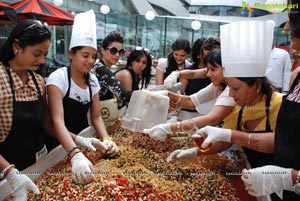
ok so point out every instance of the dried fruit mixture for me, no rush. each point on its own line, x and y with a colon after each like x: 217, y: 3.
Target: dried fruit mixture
x: 139, y: 172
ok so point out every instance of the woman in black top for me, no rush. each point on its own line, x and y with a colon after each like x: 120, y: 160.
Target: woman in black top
x: 138, y: 68
x: 110, y: 51
x: 283, y: 177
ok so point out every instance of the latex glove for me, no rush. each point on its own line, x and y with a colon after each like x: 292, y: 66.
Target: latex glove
x: 267, y: 179
x: 183, y: 154
x: 82, y: 169
x: 20, y: 184
x: 112, y: 148
x: 90, y: 143
x: 159, y: 132
x: 172, y: 119
x: 171, y: 79
x: 214, y: 134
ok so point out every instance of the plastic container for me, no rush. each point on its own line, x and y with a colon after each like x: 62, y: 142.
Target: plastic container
x: 145, y: 110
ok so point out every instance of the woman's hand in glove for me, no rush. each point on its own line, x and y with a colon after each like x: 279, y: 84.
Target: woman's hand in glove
x: 171, y: 79
x: 20, y: 184
x: 90, y: 143
x: 112, y: 148
x: 159, y: 132
x: 267, y: 179
x: 183, y: 154
x: 82, y: 169
x: 214, y: 134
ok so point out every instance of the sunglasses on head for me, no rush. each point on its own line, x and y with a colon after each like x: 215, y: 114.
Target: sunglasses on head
x: 37, y: 26
x: 143, y: 49
x: 114, y: 51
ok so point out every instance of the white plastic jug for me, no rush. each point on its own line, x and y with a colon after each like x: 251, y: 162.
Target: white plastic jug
x: 145, y: 110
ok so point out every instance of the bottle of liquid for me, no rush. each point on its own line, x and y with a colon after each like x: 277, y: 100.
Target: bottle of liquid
x: 199, y: 138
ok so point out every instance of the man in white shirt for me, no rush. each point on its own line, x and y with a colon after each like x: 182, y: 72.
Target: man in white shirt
x: 279, y: 69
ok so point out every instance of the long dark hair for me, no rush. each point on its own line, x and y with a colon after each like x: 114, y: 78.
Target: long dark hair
x: 197, y: 49
x: 27, y: 33
x: 179, y: 44
x: 146, y: 73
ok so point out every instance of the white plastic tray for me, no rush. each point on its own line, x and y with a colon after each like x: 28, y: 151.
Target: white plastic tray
x: 37, y: 169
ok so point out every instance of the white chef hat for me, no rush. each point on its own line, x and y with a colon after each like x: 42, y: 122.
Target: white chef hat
x: 84, y: 30
x: 245, y: 47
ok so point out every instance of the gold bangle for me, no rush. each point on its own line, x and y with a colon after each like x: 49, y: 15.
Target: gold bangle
x: 178, y: 101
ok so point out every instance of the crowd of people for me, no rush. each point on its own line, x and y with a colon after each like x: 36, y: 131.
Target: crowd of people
x: 227, y: 92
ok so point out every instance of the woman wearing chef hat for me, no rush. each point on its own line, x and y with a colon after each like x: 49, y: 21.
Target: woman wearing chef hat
x: 72, y: 91
x: 245, y: 50
x: 284, y: 176
x: 216, y: 93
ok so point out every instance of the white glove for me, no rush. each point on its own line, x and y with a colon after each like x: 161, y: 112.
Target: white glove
x: 159, y: 132
x: 112, y: 148
x: 171, y: 79
x: 183, y: 155
x: 90, y: 143
x: 172, y: 119
x: 20, y: 184
x: 214, y: 134
x: 267, y: 179
x: 82, y: 169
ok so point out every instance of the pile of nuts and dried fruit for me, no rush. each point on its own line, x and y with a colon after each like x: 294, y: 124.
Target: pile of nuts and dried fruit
x: 139, y: 172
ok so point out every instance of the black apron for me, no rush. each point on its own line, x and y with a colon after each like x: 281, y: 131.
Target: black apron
x: 287, y: 139
x: 75, y: 113
x: 25, y: 142
x: 255, y: 158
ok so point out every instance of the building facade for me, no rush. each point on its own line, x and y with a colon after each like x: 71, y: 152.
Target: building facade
x: 172, y: 20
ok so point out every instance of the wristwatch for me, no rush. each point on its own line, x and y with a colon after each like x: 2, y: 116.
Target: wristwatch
x: 297, y: 184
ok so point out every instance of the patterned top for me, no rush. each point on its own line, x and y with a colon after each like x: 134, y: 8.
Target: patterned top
x: 295, y: 95
x: 109, y: 85
x: 23, y: 92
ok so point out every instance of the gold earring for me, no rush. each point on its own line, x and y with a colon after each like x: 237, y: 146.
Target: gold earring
x: 16, y: 51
